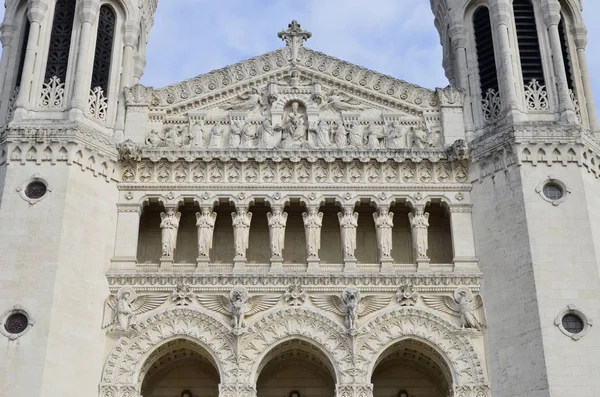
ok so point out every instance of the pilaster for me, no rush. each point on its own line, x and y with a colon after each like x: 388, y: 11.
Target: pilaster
x: 126, y: 240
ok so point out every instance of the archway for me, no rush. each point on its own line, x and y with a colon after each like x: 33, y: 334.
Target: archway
x: 180, y: 365
x: 412, y: 366
x: 295, y: 367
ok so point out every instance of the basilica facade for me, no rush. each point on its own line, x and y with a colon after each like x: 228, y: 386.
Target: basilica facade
x: 295, y: 225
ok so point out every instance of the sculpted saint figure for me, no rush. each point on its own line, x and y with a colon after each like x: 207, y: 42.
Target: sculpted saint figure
x: 374, y: 137
x: 154, y: 139
x: 248, y: 136
x: 356, y: 136
x: 125, y: 316
x: 313, y: 221
x: 173, y: 138
x: 419, y: 222
x: 235, y: 135
x: 205, y: 221
x: 395, y: 138
x: 322, y: 135
x: 348, y: 225
x: 169, y: 225
x: 277, y: 221
x: 384, y: 221
x: 420, y: 137
x: 341, y: 140
x: 269, y: 137
x: 197, y: 134
x: 241, y: 231
x: 295, y: 128
x: 216, y: 137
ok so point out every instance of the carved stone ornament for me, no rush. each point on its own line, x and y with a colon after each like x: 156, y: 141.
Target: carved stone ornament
x: 182, y: 295
x: 464, y: 305
x: 121, y: 310
x: 407, y: 295
x: 295, y: 295
x: 129, y: 151
x: 458, y: 151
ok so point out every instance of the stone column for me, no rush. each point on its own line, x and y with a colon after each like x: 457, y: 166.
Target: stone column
x: 419, y: 224
x: 458, y: 37
x: 132, y: 32
x: 126, y: 242
x: 502, y: 14
x: 565, y: 104
x: 36, y: 13
x: 463, y: 240
x: 7, y: 37
x: 580, y: 37
x: 384, y: 223
x: 354, y: 390
x: 88, y: 13
x: 169, y: 226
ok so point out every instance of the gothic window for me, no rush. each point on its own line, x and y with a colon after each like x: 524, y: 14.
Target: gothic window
x: 104, y: 45
x: 60, y: 40
x: 562, y: 30
x: 485, y: 50
x: 529, y: 45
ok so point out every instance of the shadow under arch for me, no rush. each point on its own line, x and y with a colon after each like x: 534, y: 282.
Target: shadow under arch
x: 443, y: 340
x: 321, y: 336
x: 132, y: 354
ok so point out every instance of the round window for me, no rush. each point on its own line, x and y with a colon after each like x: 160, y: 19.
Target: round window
x: 16, y: 323
x: 36, y: 190
x: 572, y: 323
x: 553, y: 191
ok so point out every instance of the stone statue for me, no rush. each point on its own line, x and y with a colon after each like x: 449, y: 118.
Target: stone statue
x: 197, y: 133
x: 341, y: 135
x: 419, y: 222
x: 269, y: 136
x: 241, y: 231
x: 277, y: 221
x: 339, y: 102
x: 169, y: 225
x: 154, y: 139
x: 205, y: 221
x: 420, y: 137
x: 246, y: 101
x: 313, y: 221
x: 249, y: 134
x: 294, y: 128
x: 356, y: 136
x: 121, y: 310
x: 322, y: 135
x: 216, y: 137
x: 238, y: 305
x: 464, y: 305
x: 395, y: 137
x: 173, y: 138
x: 374, y: 137
x: 188, y: 138
x: 348, y: 225
x: 351, y: 305
x: 384, y: 221
x: 235, y: 134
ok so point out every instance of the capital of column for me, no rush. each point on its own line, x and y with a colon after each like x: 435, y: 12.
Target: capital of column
x: 7, y: 33
x: 551, y: 12
x: 132, y: 32
x: 458, y: 36
x: 88, y: 10
x: 502, y: 12
x: 579, y: 33
x: 38, y: 9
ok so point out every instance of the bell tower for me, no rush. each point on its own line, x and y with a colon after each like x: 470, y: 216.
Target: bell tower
x: 63, y: 69
x: 531, y: 123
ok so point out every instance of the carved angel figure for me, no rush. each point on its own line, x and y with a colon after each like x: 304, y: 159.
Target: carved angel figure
x: 464, y: 305
x: 313, y: 220
x: 121, y: 311
x: 239, y: 305
x: 246, y: 101
x: 339, y: 102
x: 351, y: 305
x: 205, y: 221
x: 169, y: 225
x: 348, y: 224
x: 241, y: 231
x: 277, y: 221
x: 384, y: 221
x: 419, y: 222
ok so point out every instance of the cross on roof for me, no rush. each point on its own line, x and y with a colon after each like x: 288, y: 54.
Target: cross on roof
x: 294, y: 37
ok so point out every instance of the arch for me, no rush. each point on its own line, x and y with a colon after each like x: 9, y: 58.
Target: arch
x: 379, y: 334
x: 301, y: 324
x: 60, y: 40
x: 484, y: 45
x: 132, y: 354
x: 528, y: 41
x: 103, y: 53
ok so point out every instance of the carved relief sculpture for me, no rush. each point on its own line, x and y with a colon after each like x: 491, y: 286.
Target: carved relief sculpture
x: 269, y: 136
x: 277, y: 221
x: 248, y: 136
x: 154, y: 139
x: 339, y: 102
x: 205, y: 221
x: 464, y: 305
x: 216, y: 136
x: 295, y: 129
x: 313, y: 221
x: 348, y: 224
x: 395, y: 137
x: 169, y: 225
x: 235, y: 134
x: 351, y: 305
x: 384, y: 222
x: 356, y: 136
x: 406, y: 295
x: 238, y: 305
x: 246, y: 101
x: 183, y: 295
x: 419, y: 222
x: 120, y: 312
x: 241, y: 231
x: 341, y: 135
x: 322, y: 139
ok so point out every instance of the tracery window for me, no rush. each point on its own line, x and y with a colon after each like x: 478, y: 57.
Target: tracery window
x: 529, y: 44
x: 486, y: 59
x: 60, y: 40
x: 104, y: 45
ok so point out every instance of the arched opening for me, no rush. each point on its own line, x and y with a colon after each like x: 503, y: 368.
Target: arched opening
x: 294, y: 251
x: 60, y: 40
x: 104, y: 46
x: 439, y: 234
x: 486, y: 59
x: 412, y: 367
x: 187, y: 234
x: 149, y: 235
x: 529, y: 44
x: 259, y: 251
x: 295, y: 365
x: 402, y: 250
x: 331, y: 240
x: 223, y: 252
x: 178, y: 366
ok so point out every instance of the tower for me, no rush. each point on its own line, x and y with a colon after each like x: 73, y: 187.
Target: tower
x: 64, y: 65
x: 531, y: 121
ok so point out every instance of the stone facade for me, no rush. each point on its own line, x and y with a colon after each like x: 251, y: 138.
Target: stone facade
x: 294, y: 225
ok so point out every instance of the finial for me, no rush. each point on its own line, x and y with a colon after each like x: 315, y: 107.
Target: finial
x: 294, y: 37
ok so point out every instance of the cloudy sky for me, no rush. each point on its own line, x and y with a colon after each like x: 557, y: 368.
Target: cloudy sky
x: 395, y: 37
